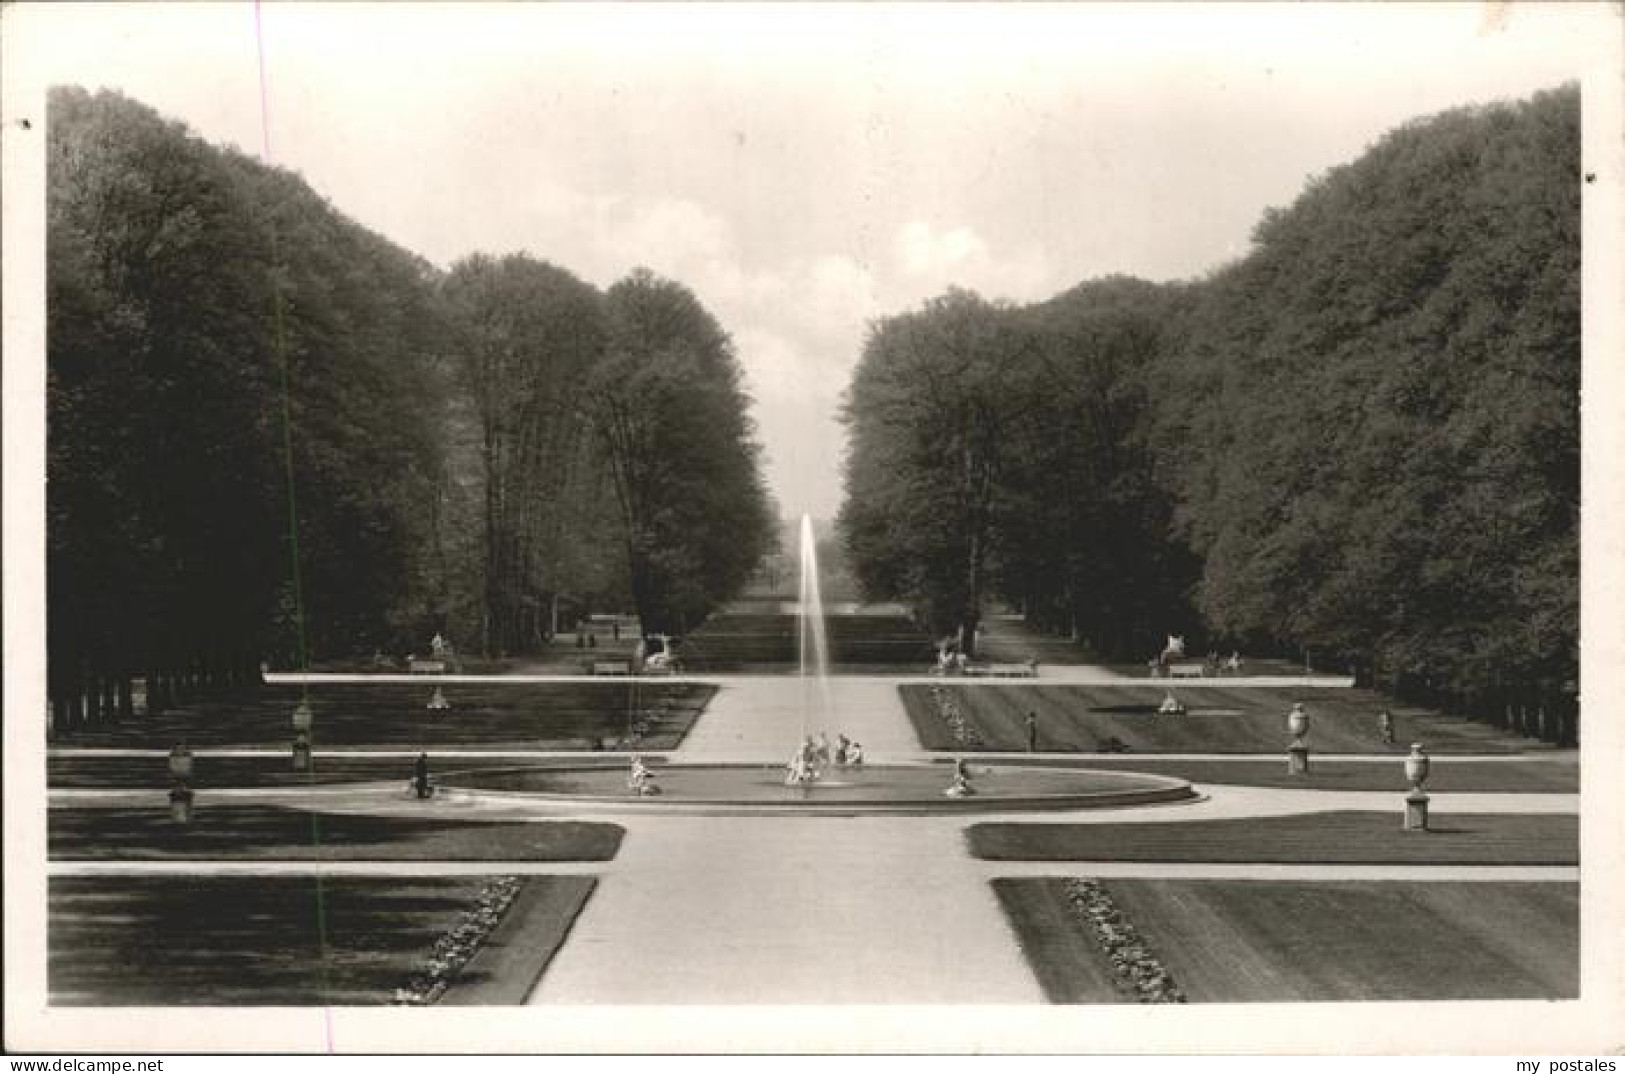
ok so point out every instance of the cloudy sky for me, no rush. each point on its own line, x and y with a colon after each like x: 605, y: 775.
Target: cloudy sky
x: 807, y: 169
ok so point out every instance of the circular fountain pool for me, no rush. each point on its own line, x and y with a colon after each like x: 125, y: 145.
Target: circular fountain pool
x: 887, y: 788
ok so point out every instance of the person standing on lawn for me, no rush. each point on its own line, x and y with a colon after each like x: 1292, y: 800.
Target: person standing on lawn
x: 1032, y: 731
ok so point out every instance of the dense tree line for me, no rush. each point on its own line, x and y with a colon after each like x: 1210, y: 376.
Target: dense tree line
x: 1377, y: 410
x: 225, y: 353
x: 1358, y: 441
x: 273, y: 434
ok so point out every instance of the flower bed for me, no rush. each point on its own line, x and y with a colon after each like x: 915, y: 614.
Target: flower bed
x: 453, y: 950
x: 964, y: 732
x: 1140, y: 976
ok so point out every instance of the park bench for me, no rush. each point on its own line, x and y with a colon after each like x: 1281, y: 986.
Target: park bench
x: 427, y: 667
x: 612, y: 667
x: 1187, y: 671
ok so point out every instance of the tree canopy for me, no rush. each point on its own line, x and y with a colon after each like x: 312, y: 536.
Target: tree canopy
x: 274, y: 434
x: 1361, y: 438
x: 238, y: 380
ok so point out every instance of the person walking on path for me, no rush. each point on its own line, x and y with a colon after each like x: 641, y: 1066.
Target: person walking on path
x: 1032, y: 731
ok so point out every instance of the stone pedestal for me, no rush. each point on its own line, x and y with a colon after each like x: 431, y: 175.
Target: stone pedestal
x: 301, y: 754
x: 1297, y: 760
x: 1416, y: 812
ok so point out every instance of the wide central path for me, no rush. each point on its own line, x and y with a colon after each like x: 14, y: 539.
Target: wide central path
x: 733, y: 910
x: 760, y: 718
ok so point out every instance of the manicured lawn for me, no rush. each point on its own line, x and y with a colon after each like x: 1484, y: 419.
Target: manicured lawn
x: 761, y: 637
x: 1070, y: 964
x: 571, y: 715
x: 1275, y: 941
x: 1345, y: 838
x: 255, y: 941
x: 513, y: 958
x: 92, y: 769
x: 1552, y: 774
x: 1223, y: 719
x: 271, y: 833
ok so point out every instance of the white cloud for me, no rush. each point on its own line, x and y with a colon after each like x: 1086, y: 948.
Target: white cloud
x: 928, y: 260
x: 922, y: 250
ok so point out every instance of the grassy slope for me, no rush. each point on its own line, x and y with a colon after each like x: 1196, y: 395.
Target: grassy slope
x: 225, y: 941
x: 513, y: 958
x: 271, y: 833
x: 1276, y: 941
x: 289, y: 941
x: 485, y: 715
x: 1550, y: 774
x: 1315, y: 838
x: 275, y: 770
x: 1260, y: 941
x: 1068, y: 961
x: 1077, y: 718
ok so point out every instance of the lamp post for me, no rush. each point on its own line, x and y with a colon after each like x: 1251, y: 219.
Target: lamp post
x: 1297, y: 754
x: 180, y: 795
x: 1416, y: 802
x: 303, y: 717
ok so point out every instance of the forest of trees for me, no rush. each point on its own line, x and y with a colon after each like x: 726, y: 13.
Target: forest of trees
x: 1360, y: 441
x: 273, y: 434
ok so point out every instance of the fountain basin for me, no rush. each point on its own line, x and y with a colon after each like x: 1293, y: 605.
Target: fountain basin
x: 760, y: 789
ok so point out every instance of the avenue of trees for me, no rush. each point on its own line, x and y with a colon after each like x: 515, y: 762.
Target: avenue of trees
x: 1359, y: 442
x: 272, y: 434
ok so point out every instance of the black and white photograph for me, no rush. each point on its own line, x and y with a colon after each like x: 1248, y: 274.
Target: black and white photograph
x: 814, y: 529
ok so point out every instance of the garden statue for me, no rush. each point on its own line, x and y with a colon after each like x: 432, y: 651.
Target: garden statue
x: 640, y: 780
x: 960, y: 787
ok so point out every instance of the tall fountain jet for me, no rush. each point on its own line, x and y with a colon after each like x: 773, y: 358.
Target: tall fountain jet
x: 814, y: 645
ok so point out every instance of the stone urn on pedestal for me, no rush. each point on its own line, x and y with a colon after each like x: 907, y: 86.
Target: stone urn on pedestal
x: 180, y: 794
x: 303, y: 718
x: 1297, y: 754
x: 1416, y: 802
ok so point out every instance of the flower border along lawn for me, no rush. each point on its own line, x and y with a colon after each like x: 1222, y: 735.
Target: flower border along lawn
x: 1273, y: 941
x: 1336, y: 838
x: 277, y: 940
x: 272, y: 833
